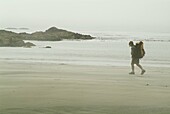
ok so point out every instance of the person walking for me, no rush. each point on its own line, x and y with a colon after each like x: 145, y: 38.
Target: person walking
x: 135, y: 58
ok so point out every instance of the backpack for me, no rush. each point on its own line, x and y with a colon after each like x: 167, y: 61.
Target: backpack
x: 140, y: 52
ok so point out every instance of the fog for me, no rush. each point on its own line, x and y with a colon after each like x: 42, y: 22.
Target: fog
x: 96, y: 15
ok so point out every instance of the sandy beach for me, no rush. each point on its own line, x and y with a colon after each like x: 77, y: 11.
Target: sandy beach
x: 74, y: 57
x: 42, y: 88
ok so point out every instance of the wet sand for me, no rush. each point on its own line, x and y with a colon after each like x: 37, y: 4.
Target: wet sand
x: 36, y: 88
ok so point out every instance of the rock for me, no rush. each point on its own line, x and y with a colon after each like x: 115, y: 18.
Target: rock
x: 11, y: 42
x: 48, y: 47
x: 54, y: 34
x: 53, y: 29
x: 12, y: 39
x: 19, y: 43
x: 29, y: 45
x: 147, y: 84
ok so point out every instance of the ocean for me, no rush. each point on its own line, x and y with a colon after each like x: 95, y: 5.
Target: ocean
x: 108, y: 49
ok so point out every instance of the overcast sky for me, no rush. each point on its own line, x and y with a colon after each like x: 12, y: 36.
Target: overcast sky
x: 120, y: 15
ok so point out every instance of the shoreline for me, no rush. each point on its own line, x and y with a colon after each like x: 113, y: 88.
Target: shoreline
x: 117, y: 64
x: 50, y: 88
x: 96, y: 53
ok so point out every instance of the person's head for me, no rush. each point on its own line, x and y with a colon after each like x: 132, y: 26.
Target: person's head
x: 131, y: 43
x: 140, y: 42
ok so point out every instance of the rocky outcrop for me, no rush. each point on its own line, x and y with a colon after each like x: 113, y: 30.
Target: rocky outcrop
x: 54, y: 34
x: 8, y: 38
x: 11, y: 39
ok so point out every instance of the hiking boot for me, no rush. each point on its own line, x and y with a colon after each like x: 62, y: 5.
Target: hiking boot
x: 143, y: 71
x: 132, y: 73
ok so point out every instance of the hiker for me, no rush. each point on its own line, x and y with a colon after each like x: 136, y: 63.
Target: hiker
x: 136, y: 54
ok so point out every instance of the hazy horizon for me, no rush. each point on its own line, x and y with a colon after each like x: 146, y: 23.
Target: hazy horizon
x: 95, y: 15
